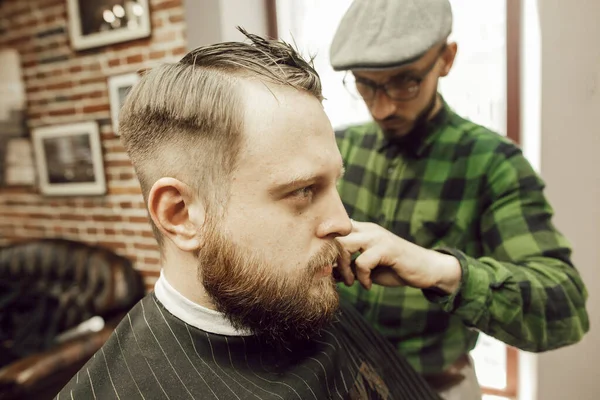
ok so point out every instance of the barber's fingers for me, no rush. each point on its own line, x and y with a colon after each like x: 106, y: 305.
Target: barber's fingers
x: 355, y: 242
x: 365, y: 264
x: 344, y: 268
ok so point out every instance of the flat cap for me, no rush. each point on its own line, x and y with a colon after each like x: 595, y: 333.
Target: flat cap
x: 380, y: 34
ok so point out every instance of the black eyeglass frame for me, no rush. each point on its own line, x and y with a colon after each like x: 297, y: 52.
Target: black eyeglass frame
x: 409, y: 86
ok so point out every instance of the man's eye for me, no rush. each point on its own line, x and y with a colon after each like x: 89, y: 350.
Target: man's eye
x: 305, y: 192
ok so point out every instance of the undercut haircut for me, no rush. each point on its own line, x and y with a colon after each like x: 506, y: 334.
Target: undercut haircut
x: 185, y: 120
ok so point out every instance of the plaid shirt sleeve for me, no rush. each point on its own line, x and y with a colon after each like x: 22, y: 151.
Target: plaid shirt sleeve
x: 534, y: 299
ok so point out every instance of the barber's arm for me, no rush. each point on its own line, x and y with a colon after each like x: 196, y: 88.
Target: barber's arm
x: 524, y: 292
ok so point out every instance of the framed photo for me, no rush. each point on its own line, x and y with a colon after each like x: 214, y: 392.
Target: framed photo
x: 69, y: 159
x: 118, y: 88
x: 94, y: 23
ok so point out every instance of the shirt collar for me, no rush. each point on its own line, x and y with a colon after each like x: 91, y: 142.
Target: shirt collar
x: 419, y: 139
x: 193, y: 314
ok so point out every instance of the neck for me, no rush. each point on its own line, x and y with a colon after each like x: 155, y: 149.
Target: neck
x: 436, y: 107
x: 181, y: 271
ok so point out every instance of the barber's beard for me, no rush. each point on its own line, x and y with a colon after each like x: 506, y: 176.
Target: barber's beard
x: 275, y: 303
x: 419, y: 122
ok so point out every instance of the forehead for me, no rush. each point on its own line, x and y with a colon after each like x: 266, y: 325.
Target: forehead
x: 284, y: 129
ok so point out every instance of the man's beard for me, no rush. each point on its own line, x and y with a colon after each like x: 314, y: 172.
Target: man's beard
x: 274, y: 303
x: 418, y: 124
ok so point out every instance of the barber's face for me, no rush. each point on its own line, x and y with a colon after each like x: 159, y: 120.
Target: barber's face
x: 268, y: 263
x: 410, y: 93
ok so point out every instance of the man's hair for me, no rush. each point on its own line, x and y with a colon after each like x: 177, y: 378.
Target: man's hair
x: 185, y: 120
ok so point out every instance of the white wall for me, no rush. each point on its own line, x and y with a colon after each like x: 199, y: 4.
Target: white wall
x: 213, y: 21
x: 570, y: 141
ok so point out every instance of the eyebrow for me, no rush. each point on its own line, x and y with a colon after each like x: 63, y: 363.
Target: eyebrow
x: 301, y: 180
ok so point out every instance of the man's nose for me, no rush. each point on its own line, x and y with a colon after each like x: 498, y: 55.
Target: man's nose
x: 337, y: 223
x: 381, y: 106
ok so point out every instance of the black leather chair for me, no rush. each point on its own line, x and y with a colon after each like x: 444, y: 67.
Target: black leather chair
x: 47, y: 287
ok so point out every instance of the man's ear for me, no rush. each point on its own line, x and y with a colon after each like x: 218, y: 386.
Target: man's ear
x: 177, y: 212
x: 448, y: 57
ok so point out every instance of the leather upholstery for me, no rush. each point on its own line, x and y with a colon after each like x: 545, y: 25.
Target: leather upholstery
x: 48, y: 286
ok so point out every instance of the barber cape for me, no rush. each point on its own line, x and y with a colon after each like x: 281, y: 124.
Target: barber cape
x: 153, y: 354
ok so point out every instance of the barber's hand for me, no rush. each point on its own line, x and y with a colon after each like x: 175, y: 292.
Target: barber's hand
x: 389, y: 260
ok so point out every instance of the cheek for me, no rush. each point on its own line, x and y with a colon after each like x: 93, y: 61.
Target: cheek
x: 284, y: 237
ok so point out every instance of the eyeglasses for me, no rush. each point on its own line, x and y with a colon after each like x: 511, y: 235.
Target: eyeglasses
x: 400, y: 88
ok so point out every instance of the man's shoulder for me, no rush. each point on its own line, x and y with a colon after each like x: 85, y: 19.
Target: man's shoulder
x: 466, y: 139
x: 472, y: 132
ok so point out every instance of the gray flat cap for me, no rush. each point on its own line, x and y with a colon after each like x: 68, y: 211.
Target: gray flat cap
x: 379, y: 34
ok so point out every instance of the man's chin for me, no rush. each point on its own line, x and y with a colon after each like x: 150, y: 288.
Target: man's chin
x: 396, y: 132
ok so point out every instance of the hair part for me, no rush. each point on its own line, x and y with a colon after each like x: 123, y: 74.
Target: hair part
x: 185, y: 120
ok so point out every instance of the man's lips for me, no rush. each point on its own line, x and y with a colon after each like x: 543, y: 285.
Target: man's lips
x: 325, y: 271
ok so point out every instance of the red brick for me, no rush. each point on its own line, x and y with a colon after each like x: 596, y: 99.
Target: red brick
x: 117, y: 163
x: 107, y: 218
x: 166, y: 5
x: 157, y: 54
x: 92, y: 80
x: 97, y: 108
x: 137, y: 219
x: 62, y: 111
x: 125, y: 176
x: 157, y: 23
x: 62, y: 85
x: 134, y: 59
x: 114, y: 62
x: 142, y: 246
x: 75, y: 69
x: 112, y: 245
x: 176, y: 18
x: 124, y: 190
x: 151, y: 261
x: 72, y: 217
x: 179, y: 51
x: 88, y: 204
x: 40, y: 216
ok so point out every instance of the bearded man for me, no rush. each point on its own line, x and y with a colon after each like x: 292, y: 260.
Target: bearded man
x: 238, y: 165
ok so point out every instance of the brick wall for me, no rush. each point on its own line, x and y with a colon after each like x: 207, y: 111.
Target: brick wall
x: 64, y: 86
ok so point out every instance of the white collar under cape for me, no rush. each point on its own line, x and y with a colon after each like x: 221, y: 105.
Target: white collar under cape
x: 191, y: 313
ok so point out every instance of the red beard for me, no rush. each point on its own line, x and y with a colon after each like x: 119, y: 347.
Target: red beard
x: 277, y: 305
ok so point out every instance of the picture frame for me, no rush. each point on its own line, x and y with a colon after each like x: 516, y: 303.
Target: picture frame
x: 95, y: 23
x: 118, y: 88
x: 69, y: 159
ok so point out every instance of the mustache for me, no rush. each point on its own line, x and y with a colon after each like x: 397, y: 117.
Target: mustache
x: 328, y: 255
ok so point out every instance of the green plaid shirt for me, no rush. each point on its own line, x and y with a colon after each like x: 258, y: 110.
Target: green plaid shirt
x: 459, y: 188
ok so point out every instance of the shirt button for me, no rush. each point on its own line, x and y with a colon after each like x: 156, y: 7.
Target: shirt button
x: 390, y: 170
